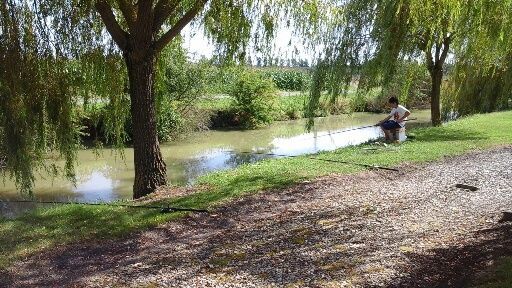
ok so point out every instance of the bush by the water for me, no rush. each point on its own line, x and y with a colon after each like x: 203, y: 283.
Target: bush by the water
x: 180, y: 85
x: 254, y: 100
x: 221, y: 79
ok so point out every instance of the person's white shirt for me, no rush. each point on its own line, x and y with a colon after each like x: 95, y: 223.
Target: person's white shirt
x: 397, y: 113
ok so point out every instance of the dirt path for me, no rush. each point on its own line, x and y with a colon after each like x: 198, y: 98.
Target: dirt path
x: 411, y: 229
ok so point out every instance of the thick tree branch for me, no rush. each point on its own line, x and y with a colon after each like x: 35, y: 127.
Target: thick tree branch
x: 428, y: 57
x: 128, y: 11
x: 446, y: 47
x: 142, y: 34
x: 163, y: 9
x: 144, y: 12
x: 175, y: 30
x: 107, y: 15
x: 438, y: 52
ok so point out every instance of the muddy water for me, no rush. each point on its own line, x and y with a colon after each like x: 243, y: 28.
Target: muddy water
x: 109, y: 177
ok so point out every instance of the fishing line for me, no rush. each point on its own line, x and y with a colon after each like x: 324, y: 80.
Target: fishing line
x: 321, y: 159
x: 163, y: 209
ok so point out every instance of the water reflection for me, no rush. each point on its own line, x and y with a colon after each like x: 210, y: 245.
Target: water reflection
x: 109, y: 177
x: 324, y: 141
x: 214, y: 160
x: 96, y: 187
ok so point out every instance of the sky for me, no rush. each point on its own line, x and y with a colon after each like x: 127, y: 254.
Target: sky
x: 286, y: 46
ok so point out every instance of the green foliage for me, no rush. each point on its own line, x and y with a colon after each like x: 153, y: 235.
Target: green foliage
x: 288, y: 108
x: 105, y: 101
x: 410, y: 83
x: 254, y: 100
x: 478, y: 92
x: 481, y: 81
x: 482, y: 74
x: 179, y: 86
x: 233, y: 37
x: 49, y: 69
x: 292, y: 107
x: 220, y: 79
x: 57, y: 61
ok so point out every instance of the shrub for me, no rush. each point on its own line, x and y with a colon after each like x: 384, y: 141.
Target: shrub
x: 180, y: 85
x: 254, y: 100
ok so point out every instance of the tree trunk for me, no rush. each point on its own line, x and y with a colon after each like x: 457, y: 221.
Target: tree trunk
x: 150, y: 169
x: 435, y: 97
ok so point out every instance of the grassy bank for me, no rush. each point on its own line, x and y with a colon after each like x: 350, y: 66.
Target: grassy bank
x: 51, y: 227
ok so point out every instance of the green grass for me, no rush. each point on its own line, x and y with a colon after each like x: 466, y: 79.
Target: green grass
x: 496, y: 276
x: 47, y: 228
x: 214, y: 103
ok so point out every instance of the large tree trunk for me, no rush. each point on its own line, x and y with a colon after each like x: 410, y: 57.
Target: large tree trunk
x: 141, y: 43
x: 435, y: 96
x: 150, y: 170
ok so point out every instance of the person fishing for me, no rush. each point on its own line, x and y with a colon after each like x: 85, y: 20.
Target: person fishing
x: 399, y: 114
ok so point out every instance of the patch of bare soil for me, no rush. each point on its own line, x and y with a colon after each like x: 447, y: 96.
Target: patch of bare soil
x: 413, y: 228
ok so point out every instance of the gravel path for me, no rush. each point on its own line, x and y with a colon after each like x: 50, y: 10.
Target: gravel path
x: 373, y: 229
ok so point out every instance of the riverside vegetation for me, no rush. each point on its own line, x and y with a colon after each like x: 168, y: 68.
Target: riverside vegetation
x: 202, y: 95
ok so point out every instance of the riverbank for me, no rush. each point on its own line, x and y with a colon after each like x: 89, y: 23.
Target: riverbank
x: 46, y: 229
x: 412, y: 228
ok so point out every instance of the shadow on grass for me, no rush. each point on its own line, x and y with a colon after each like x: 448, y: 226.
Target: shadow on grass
x: 40, y: 229
x: 258, y: 250
x: 275, y: 246
x: 456, y: 266
x: 70, y: 223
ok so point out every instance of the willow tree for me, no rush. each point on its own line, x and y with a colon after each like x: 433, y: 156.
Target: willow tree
x: 369, y: 38
x: 482, y: 79
x: 46, y: 45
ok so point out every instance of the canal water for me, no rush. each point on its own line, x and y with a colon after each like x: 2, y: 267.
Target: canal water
x: 108, y: 176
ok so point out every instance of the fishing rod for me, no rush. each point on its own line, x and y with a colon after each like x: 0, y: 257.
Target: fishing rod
x: 325, y: 160
x: 357, y: 128
x: 163, y: 209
